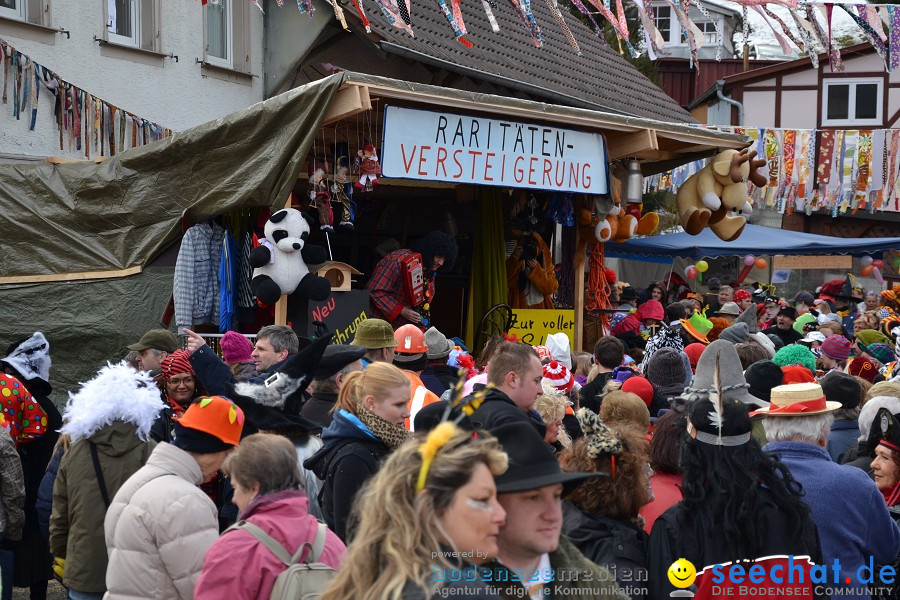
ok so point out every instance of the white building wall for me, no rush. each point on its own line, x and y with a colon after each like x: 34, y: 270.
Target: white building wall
x: 759, y: 109
x: 176, y: 95
x: 798, y: 109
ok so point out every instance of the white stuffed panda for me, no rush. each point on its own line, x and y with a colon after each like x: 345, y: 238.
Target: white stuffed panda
x: 280, y: 260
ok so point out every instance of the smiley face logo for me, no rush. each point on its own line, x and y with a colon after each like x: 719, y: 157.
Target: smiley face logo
x: 682, y: 573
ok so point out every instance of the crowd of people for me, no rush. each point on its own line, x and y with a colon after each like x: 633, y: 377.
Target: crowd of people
x: 717, y: 429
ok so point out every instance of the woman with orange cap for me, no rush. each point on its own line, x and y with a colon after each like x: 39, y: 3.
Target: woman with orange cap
x: 160, y: 523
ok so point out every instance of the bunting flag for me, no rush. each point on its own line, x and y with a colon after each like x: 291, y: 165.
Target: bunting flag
x: 77, y: 113
x: 841, y: 171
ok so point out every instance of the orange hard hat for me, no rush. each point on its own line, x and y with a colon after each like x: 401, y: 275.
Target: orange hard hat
x: 410, y: 340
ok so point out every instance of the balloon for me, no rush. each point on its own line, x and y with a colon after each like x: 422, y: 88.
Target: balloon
x: 761, y: 263
x: 876, y: 272
x: 702, y: 266
x: 691, y: 272
x: 749, y: 260
x: 866, y: 260
x: 866, y: 271
x: 878, y: 263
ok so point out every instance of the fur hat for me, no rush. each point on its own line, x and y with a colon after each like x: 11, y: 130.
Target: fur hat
x: 836, y: 347
x: 665, y: 367
x: 721, y: 358
x: 560, y: 349
x: 437, y: 243
x: 796, y: 354
x: 116, y: 393
x: 762, y: 376
x: 30, y: 357
x: 559, y: 377
x: 235, y: 348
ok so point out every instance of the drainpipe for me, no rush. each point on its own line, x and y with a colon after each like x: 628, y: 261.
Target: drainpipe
x: 720, y: 85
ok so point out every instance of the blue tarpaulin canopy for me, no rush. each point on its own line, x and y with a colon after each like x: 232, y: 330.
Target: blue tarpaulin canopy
x: 755, y: 239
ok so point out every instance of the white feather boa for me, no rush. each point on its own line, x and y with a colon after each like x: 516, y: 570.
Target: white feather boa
x: 116, y: 393
x: 273, y: 395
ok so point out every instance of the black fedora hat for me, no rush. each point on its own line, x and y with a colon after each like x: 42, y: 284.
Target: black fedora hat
x: 532, y: 464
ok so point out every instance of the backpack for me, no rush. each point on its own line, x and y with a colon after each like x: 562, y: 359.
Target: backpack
x: 303, y: 579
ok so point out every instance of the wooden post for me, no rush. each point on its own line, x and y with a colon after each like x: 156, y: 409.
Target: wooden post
x: 579, y: 295
x: 282, y: 305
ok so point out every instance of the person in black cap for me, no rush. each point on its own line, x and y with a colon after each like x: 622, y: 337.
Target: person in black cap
x: 784, y: 326
x: 844, y: 388
x: 530, y: 543
x: 337, y: 362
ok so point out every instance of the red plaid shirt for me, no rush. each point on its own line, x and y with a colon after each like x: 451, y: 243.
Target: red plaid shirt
x: 386, y: 294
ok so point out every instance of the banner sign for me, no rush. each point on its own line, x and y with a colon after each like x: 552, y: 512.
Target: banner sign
x: 533, y: 325
x: 342, y: 312
x: 813, y: 262
x: 441, y: 146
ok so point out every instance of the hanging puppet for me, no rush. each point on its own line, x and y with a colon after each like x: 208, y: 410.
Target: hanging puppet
x: 369, y: 169
x: 342, y: 193
x: 319, y: 194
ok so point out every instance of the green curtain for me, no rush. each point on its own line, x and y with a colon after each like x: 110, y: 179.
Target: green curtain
x: 487, y: 285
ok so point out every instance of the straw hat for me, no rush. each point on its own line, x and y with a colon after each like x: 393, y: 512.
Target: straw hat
x: 798, y: 400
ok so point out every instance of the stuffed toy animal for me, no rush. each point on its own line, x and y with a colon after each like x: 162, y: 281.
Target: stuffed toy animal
x: 369, y: 169
x: 280, y: 261
x: 716, y: 195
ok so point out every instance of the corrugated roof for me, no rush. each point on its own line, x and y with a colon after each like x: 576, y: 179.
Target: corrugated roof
x: 599, y: 79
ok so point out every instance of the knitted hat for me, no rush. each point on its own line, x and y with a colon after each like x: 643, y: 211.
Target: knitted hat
x: 639, y: 386
x: 736, y: 334
x: 796, y: 354
x: 870, y: 336
x: 836, y: 347
x: 721, y: 355
x: 374, y: 334
x: 863, y: 367
x: 217, y: 417
x: 439, y: 346
x: 235, y: 348
x: 557, y: 375
x: 762, y: 376
x: 176, y: 363
x: 882, y: 353
x: 560, y: 348
x: 651, y: 309
x: 694, y: 351
x: 741, y: 295
x: 796, y: 374
x: 803, y: 320
x: 697, y: 326
x: 665, y: 368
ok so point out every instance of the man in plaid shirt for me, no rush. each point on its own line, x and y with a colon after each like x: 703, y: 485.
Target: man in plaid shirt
x: 386, y: 294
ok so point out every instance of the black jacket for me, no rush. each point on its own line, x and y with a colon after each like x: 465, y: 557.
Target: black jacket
x: 318, y: 408
x: 214, y: 374
x: 788, y: 336
x: 703, y: 544
x: 349, y: 457
x: 497, y: 408
x: 438, y: 378
x: 620, y: 546
x: 591, y: 393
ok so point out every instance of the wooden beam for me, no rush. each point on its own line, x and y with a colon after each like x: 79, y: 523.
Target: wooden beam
x: 60, y: 160
x: 350, y: 100
x: 82, y: 276
x: 579, y: 295
x: 631, y: 144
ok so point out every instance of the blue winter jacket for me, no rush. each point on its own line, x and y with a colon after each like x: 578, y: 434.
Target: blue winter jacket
x: 44, y: 503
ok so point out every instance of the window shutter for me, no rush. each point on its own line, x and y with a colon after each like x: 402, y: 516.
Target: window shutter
x: 38, y: 12
x: 240, y: 15
x: 150, y: 19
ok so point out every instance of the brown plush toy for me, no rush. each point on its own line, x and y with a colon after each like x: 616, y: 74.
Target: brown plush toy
x: 716, y: 196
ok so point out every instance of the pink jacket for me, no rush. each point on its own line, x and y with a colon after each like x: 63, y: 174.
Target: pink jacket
x: 239, y: 567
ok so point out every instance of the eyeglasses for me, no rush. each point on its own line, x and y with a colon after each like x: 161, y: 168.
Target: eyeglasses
x: 181, y: 381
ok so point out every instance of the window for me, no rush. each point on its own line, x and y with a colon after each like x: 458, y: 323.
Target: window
x: 663, y: 21
x: 123, y: 18
x: 852, y: 102
x: 13, y: 9
x: 219, y: 34
x: 226, y: 34
x: 133, y: 23
x: 709, y: 32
